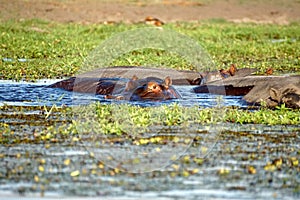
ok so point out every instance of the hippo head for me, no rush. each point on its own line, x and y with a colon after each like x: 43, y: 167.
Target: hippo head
x: 150, y: 88
x: 154, y: 90
x: 290, y: 96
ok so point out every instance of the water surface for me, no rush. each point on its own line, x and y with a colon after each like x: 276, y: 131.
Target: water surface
x: 38, y: 94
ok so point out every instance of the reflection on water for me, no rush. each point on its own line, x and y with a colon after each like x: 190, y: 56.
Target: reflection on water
x: 35, y: 94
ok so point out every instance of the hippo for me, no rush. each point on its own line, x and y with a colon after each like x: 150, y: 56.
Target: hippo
x: 106, y: 80
x: 289, y: 95
x: 134, y: 89
x: 270, y: 91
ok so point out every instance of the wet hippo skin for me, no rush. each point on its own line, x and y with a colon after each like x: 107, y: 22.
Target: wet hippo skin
x: 179, y: 77
x: 150, y: 88
x: 90, y: 85
x: 113, y: 80
x: 271, y: 90
x: 89, y: 81
x: 223, y: 90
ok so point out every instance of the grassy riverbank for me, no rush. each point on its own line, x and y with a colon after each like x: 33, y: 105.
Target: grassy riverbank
x: 35, y: 49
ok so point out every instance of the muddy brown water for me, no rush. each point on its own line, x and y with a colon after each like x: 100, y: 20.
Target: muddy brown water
x: 219, y: 161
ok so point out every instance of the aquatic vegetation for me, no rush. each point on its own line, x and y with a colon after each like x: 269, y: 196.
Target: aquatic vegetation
x: 123, y: 119
x: 280, y: 115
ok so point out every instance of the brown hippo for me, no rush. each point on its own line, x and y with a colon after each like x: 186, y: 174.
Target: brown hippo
x: 150, y: 88
x: 289, y: 95
x: 259, y: 90
x: 105, y: 81
x: 272, y: 90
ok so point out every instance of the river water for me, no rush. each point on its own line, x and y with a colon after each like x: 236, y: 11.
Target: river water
x: 220, y: 161
x: 34, y: 94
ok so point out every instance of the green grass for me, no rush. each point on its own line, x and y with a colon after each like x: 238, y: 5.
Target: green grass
x: 56, y: 50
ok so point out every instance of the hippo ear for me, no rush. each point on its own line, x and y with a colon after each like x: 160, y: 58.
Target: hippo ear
x: 232, y: 69
x: 134, y: 78
x: 168, y: 82
x: 275, y: 94
x: 131, y: 84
